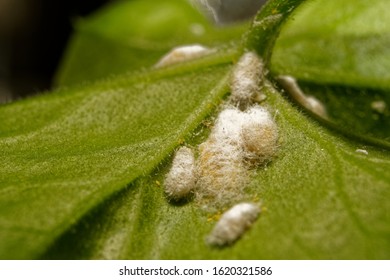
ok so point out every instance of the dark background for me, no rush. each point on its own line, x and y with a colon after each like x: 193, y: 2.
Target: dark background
x: 33, y: 36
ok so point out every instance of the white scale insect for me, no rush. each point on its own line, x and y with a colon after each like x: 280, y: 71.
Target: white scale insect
x: 310, y: 102
x: 245, y: 81
x: 221, y: 169
x: 180, y: 180
x: 259, y: 134
x: 181, y: 54
x: 229, y: 11
x: 233, y: 224
x: 238, y: 141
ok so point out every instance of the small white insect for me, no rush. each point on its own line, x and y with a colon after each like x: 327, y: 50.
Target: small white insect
x: 180, y: 180
x: 310, y: 102
x: 221, y: 169
x: 233, y: 224
x: 259, y: 136
x: 246, y: 80
x: 239, y: 140
x: 361, y: 151
x: 181, y: 54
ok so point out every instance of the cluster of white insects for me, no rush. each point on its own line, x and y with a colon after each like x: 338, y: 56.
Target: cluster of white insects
x: 244, y: 136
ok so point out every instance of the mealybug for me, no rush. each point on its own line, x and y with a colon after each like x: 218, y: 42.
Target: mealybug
x: 259, y: 136
x: 180, y: 54
x: 309, y: 102
x: 238, y: 138
x: 361, y: 151
x: 246, y: 80
x: 233, y: 224
x: 228, y: 11
x: 180, y: 180
x: 221, y: 169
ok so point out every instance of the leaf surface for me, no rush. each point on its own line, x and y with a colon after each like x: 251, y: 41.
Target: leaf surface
x: 134, y: 35
x: 54, y: 171
x: 344, y: 43
x: 67, y: 162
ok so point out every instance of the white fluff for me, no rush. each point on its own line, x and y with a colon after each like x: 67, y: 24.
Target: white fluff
x: 180, y: 180
x: 361, y: 151
x: 181, y: 54
x: 246, y: 80
x: 233, y: 224
x: 238, y: 138
x: 221, y: 169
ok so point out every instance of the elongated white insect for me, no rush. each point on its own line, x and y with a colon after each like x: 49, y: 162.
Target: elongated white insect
x: 361, y: 151
x: 233, y: 224
x: 180, y: 180
x: 182, y: 53
x: 310, y: 102
x: 246, y: 80
x: 221, y: 169
x: 379, y: 106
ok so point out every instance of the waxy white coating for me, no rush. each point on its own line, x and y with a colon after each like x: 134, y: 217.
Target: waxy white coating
x: 181, y: 54
x: 180, y: 180
x: 233, y: 224
x: 246, y: 81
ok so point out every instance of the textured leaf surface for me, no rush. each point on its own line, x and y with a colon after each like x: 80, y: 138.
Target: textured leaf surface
x: 55, y: 170
x: 338, y: 42
x: 68, y: 159
x: 134, y: 34
x: 319, y: 195
x: 339, y: 51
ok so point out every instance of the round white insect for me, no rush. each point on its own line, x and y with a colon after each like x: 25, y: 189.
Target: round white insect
x: 233, y: 224
x: 181, y: 54
x: 246, y: 80
x: 259, y: 134
x: 180, y: 180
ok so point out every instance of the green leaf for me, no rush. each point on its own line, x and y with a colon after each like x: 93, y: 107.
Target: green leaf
x: 319, y: 194
x: 131, y: 35
x: 339, y: 53
x: 68, y: 157
x: 338, y: 43
x: 54, y: 171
